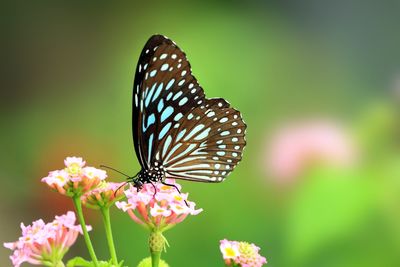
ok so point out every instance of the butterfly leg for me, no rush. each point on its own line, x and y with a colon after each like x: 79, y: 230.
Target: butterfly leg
x: 177, y: 189
x: 155, y: 190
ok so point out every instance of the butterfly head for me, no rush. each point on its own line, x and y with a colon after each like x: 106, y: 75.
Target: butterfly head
x: 138, y: 184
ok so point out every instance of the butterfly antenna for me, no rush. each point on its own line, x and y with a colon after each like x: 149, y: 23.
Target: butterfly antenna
x: 104, y: 166
x: 115, y: 192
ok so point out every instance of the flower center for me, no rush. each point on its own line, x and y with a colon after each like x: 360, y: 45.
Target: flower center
x: 165, y: 187
x: 178, y: 198
x: 74, y: 169
x: 230, y: 252
x: 62, y: 179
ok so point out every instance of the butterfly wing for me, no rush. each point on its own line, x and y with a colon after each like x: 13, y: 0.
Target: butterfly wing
x: 192, y: 137
x: 207, y: 144
x: 164, y: 90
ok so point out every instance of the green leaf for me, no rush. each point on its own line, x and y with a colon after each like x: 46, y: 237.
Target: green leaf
x: 147, y: 263
x: 81, y: 262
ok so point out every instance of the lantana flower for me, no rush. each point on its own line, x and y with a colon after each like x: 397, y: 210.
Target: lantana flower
x: 104, y: 195
x: 75, y: 179
x: 45, y: 244
x: 160, y: 210
x: 241, y: 254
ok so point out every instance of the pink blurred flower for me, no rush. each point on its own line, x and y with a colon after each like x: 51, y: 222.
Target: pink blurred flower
x: 295, y: 146
x: 241, y: 254
x: 105, y: 195
x: 229, y: 249
x: 158, y: 213
x: 44, y: 244
x: 75, y: 178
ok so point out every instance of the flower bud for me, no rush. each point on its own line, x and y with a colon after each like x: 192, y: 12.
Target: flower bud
x: 156, y: 242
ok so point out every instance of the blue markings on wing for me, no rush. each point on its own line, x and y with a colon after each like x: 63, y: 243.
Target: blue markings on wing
x: 166, y: 113
x: 169, y: 96
x: 170, y: 83
x: 150, y: 120
x: 178, y: 116
x: 180, y: 135
x: 149, y: 95
x: 160, y: 105
x: 157, y: 93
x: 150, y: 148
x: 153, y: 73
x: 203, y: 135
x: 225, y: 133
x: 194, y: 131
x: 164, y: 130
x: 183, y: 101
x: 164, y: 66
x: 177, y: 95
x: 174, y: 148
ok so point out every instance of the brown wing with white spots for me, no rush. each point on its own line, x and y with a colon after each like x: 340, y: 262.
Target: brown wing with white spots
x: 164, y: 91
x: 206, y: 145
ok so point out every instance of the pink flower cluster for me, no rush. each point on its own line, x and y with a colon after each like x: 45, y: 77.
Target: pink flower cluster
x: 75, y: 178
x: 44, y: 244
x: 160, y: 210
x: 241, y: 253
x: 293, y: 147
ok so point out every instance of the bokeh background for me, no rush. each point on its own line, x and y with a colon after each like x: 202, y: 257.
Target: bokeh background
x: 299, y: 71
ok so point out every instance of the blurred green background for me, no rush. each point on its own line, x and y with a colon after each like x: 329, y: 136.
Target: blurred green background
x: 67, y: 71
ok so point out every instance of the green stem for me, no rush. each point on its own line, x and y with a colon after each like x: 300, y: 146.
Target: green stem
x: 155, y: 258
x: 105, y: 212
x: 78, y: 207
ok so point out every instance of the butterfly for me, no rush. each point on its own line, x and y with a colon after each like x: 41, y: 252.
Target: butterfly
x: 178, y: 133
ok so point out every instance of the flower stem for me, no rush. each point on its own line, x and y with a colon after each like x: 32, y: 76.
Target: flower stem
x: 105, y: 212
x: 155, y: 258
x: 78, y: 207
